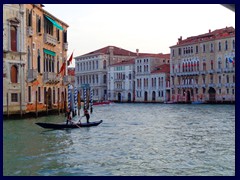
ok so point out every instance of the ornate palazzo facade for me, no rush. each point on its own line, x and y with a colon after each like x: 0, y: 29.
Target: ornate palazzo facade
x: 202, y: 67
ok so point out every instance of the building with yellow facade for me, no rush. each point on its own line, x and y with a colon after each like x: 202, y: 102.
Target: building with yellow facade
x: 202, y: 68
x: 35, y: 48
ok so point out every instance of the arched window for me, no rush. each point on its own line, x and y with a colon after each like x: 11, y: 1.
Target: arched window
x: 14, y: 74
x: 220, y: 79
x: 204, y: 66
x: 104, y: 64
x: 219, y: 64
x: 13, y: 30
x: 96, y: 64
x: 204, y: 48
x: 233, y: 44
x: 29, y: 58
x: 39, y: 61
x: 211, y: 64
x: 227, y: 78
x: 219, y: 46
x: 58, y: 66
x: 226, y: 63
x: 226, y: 45
x: 211, y: 47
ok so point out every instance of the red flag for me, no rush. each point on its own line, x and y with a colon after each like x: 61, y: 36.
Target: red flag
x: 62, y: 70
x: 35, y: 83
x: 70, y: 59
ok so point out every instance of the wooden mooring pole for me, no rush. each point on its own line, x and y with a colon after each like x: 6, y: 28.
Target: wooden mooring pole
x: 36, y: 104
x: 7, y: 107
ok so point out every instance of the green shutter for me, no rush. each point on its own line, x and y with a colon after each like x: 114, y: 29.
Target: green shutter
x: 49, y: 52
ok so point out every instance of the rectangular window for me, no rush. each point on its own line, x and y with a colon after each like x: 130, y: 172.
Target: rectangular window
x: 179, y: 51
x: 65, y: 36
x: 58, y: 36
x: 29, y: 94
x: 38, y: 24
x: 204, y: 48
x: 196, y: 49
x: 29, y: 17
x: 14, y: 97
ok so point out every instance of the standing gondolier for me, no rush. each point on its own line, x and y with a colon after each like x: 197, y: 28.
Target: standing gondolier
x: 69, y: 117
x: 86, y: 113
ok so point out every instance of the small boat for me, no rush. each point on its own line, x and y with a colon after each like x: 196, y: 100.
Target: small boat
x: 101, y: 102
x: 197, y: 102
x: 68, y: 126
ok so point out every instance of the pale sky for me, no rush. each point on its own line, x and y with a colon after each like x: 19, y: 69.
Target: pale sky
x: 151, y: 28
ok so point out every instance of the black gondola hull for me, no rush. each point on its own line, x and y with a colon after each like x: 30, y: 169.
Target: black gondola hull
x: 68, y: 126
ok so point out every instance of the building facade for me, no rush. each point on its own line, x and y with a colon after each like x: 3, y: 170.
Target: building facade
x: 46, y: 51
x: 121, y: 84
x: 152, y: 78
x: 14, y: 56
x: 92, y: 69
x: 42, y: 47
x: 202, y: 67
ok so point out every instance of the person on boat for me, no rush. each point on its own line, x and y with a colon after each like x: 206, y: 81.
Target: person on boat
x: 69, y: 117
x: 86, y: 113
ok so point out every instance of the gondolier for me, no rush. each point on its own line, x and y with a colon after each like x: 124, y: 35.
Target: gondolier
x: 86, y: 113
x: 69, y: 117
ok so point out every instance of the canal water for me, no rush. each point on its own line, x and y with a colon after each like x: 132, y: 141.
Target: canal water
x: 134, y: 139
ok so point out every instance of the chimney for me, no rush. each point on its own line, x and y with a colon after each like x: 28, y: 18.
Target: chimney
x: 137, y: 50
x: 111, y: 49
x: 209, y: 30
x: 180, y: 39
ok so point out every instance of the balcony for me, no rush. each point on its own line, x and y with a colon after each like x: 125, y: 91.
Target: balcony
x: 218, y: 85
x: 65, y: 46
x: 211, y: 71
x: 227, y: 84
x: 118, y: 80
x: 203, y: 85
x: 211, y: 85
x: 50, y: 78
x: 29, y: 31
x: 49, y: 39
x: 31, y: 75
x: 202, y: 72
x: 232, y: 84
x: 219, y: 70
x: 67, y: 80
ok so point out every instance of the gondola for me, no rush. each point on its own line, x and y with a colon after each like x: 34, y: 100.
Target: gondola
x: 68, y: 126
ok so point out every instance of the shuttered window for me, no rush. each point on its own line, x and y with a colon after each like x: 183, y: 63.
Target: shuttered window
x: 14, y: 74
x: 13, y: 38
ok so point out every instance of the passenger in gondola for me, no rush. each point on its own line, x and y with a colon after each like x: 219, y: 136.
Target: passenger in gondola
x: 69, y: 117
x: 86, y: 113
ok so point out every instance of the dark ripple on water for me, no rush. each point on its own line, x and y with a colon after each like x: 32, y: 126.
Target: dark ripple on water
x: 134, y: 139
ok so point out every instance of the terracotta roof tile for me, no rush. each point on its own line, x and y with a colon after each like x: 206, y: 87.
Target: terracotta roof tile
x: 116, y: 51
x: 164, y: 68
x: 211, y: 35
x: 125, y: 62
